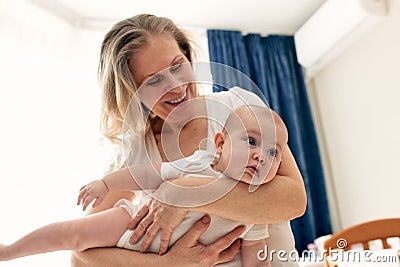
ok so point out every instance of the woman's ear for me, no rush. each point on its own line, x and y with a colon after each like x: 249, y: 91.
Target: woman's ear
x: 219, y: 142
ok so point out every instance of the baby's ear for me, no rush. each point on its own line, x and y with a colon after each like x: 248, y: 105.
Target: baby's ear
x: 219, y: 141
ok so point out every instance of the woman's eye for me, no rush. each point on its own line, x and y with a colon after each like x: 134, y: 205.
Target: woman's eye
x: 251, y: 141
x: 154, y: 80
x: 175, y: 67
x: 272, y: 152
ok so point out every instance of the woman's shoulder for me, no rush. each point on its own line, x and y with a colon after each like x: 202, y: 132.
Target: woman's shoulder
x: 236, y: 97
x: 234, y: 91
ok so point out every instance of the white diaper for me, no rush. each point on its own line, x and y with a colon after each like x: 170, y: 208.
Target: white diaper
x: 132, y: 209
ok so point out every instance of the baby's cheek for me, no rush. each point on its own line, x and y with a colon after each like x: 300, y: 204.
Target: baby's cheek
x: 238, y: 160
x: 274, y: 169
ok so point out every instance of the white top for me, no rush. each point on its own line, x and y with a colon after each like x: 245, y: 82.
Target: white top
x: 219, y: 105
x: 198, y: 164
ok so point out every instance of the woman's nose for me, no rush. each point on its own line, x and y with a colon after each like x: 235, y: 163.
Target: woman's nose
x: 177, y: 89
x: 173, y: 83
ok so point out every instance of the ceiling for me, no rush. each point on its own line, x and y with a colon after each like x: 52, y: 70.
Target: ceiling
x: 259, y: 16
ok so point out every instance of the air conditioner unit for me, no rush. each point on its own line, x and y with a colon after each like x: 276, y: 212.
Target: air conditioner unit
x: 332, y: 28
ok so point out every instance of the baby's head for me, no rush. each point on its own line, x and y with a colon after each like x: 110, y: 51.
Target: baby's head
x: 251, y: 144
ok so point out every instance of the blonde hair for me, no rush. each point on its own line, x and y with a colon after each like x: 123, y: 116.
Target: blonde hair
x: 118, y: 50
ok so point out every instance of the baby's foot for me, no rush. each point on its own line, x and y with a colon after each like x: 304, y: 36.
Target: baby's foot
x: 3, y: 252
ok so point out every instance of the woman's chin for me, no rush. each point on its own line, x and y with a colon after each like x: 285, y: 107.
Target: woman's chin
x: 181, y: 114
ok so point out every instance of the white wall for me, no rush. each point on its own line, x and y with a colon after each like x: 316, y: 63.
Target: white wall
x: 356, y: 99
x: 49, y: 115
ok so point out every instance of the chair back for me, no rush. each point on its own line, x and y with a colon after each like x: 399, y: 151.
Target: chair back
x: 362, y: 234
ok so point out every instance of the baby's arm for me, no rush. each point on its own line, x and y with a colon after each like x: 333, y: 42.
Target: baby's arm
x: 253, y: 253
x: 137, y: 177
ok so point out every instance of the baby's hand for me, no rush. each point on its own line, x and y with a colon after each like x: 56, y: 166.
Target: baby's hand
x: 93, y: 190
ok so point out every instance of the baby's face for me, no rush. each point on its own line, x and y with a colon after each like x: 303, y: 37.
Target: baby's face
x: 253, y: 148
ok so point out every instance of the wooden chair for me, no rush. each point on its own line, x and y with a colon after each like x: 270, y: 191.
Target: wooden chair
x: 362, y: 234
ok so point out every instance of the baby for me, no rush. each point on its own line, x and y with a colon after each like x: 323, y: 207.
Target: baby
x: 248, y: 149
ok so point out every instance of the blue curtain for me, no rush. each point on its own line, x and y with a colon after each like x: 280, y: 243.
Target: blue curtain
x: 271, y: 63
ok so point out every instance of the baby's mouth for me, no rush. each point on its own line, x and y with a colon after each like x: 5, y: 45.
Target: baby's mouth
x: 253, y: 169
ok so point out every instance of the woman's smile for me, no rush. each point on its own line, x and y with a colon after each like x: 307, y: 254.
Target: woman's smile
x: 179, y: 100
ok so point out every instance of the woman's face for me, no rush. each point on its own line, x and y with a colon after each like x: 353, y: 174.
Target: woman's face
x: 163, y: 74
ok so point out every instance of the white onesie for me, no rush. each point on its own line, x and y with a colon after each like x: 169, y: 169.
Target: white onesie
x: 197, y: 165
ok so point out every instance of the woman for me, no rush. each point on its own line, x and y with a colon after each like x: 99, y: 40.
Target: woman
x: 134, y: 53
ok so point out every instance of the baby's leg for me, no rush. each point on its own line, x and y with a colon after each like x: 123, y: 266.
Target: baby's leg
x: 102, y: 229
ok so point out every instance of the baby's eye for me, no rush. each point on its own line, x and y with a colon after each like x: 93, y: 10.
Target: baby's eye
x: 251, y: 141
x: 272, y: 152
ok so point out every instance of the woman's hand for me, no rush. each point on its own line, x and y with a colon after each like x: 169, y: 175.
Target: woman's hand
x: 93, y: 190
x: 188, y: 251
x: 153, y: 217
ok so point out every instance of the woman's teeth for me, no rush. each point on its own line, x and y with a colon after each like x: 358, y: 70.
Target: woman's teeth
x: 175, y: 101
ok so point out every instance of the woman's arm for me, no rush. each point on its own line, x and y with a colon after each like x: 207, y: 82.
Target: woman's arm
x: 282, y: 199
x: 103, y: 257
x: 187, y: 251
x: 254, y: 254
